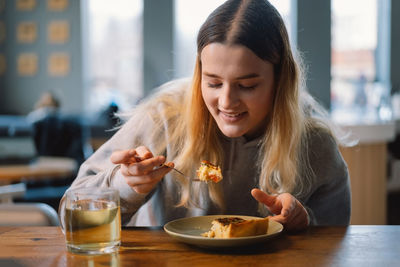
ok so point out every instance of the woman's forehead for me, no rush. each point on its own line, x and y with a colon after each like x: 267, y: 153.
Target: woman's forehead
x: 221, y: 59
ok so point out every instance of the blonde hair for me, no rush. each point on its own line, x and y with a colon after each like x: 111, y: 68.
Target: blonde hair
x: 193, y: 135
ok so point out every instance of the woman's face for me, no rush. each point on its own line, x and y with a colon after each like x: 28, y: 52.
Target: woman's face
x: 237, y: 88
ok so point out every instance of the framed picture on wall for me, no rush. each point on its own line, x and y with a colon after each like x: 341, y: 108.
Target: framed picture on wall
x: 58, y: 64
x: 27, y: 32
x: 58, y: 32
x: 57, y: 5
x: 25, y: 5
x: 27, y: 64
x: 3, y: 64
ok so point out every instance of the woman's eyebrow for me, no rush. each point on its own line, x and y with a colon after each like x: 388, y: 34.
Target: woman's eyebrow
x: 247, y: 76
x: 211, y: 75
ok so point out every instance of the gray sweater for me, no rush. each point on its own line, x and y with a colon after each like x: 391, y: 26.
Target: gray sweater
x: 327, y: 202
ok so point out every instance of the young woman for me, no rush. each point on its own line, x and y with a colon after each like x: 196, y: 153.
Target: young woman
x: 245, y: 110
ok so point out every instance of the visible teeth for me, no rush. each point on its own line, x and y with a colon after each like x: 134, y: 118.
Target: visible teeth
x: 232, y: 115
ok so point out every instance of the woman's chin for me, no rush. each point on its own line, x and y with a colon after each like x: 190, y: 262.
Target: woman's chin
x: 232, y: 133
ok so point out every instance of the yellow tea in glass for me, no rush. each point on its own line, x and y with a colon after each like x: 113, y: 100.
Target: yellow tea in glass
x: 91, y: 220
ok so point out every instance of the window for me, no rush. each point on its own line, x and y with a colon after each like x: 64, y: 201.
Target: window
x: 357, y: 89
x: 189, y: 16
x: 284, y: 8
x: 113, y: 53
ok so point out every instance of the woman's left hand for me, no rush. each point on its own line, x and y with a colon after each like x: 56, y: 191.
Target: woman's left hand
x: 287, y: 209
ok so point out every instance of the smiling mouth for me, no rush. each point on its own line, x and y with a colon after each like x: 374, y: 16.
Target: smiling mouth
x: 232, y: 117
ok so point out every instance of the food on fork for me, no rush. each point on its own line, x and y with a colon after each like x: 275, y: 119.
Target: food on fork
x: 209, y: 172
x: 228, y: 227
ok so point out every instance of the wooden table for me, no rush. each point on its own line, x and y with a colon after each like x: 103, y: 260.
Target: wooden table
x: 317, y: 246
x: 42, y: 168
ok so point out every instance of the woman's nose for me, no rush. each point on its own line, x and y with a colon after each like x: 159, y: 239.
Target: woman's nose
x: 228, y: 97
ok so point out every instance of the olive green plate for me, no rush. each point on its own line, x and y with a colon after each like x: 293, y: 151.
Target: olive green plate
x: 189, y: 230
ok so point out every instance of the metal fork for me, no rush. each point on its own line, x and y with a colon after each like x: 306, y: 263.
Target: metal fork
x: 181, y: 173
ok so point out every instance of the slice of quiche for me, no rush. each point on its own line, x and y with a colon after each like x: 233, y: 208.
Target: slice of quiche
x: 227, y: 227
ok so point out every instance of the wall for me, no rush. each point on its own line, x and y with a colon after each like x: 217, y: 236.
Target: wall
x: 395, y: 44
x: 313, y: 38
x: 157, y: 43
x: 19, y: 93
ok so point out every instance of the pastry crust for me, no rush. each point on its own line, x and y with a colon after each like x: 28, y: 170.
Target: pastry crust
x: 237, y: 227
x: 209, y: 172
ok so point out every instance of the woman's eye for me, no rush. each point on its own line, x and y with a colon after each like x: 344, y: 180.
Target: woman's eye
x: 247, y: 87
x: 214, y: 85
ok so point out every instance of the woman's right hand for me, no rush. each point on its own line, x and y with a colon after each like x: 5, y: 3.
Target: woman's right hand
x: 140, y: 168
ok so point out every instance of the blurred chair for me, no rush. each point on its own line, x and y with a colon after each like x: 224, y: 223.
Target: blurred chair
x: 8, y: 192
x: 61, y: 136
x: 57, y: 135
x: 28, y: 214
x: 24, y: 214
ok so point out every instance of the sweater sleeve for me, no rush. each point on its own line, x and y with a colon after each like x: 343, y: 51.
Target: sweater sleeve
x: 148, y: 126
x: 330, y: 200
x: 99, y: 171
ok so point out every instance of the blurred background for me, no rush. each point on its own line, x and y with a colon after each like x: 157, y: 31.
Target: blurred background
x: 67, y: 65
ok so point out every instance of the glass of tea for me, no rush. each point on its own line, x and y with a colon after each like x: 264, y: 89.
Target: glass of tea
x: 90, y: 219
